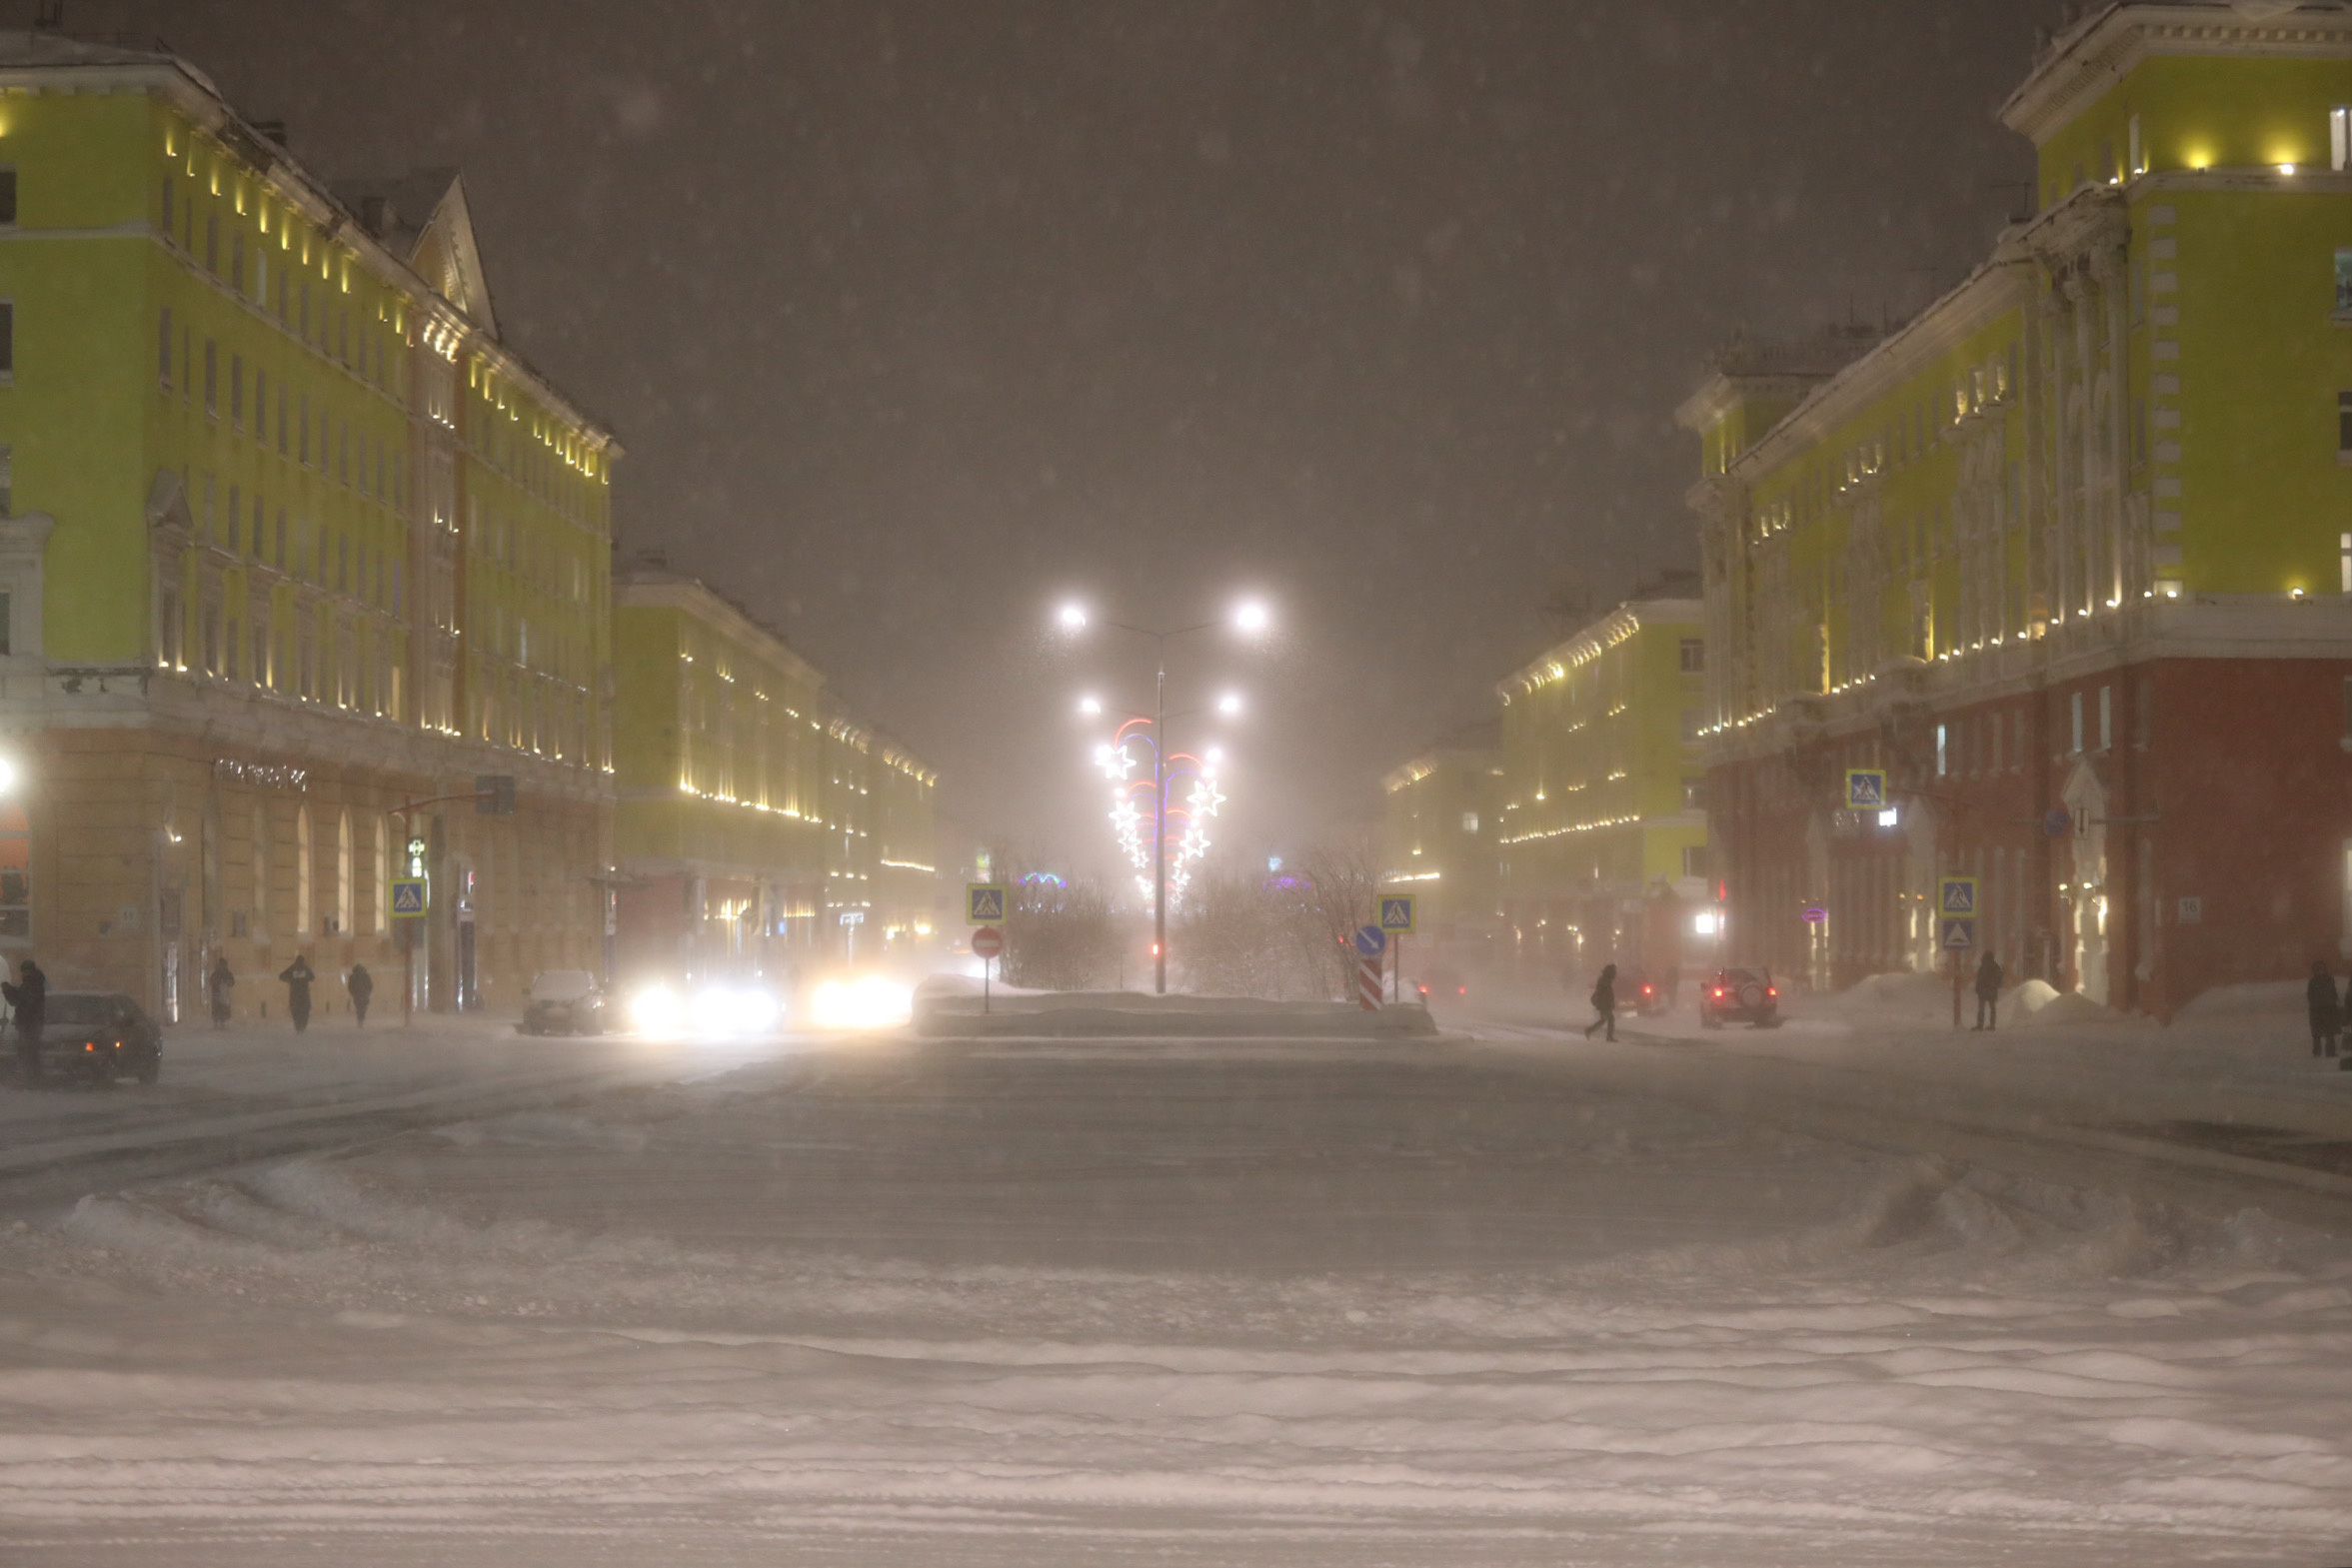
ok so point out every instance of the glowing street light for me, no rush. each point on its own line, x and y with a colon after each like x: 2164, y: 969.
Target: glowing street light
x: 1252, y: 615
x: 1073, y: 618
x: 1090, y: 706
x: 1229, y: 703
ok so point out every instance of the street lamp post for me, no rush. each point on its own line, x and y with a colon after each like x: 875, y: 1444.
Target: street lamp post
x: 1248, y: 616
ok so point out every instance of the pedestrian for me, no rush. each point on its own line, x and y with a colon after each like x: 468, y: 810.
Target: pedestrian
x: 2327, y: 1012
x: 30, y: 998
x: 298, y: 976
x: 1605, y: 1002
x: 362, y: 985
x: 220, y: 983
x: 1988, y: 992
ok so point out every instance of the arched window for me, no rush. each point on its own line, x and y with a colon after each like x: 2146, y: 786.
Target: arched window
x: 16, y: 870
x: 343, y: 873
x: 302, y: 865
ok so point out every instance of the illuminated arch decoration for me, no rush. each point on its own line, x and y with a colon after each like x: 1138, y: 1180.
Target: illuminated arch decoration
x: 1135, y: 816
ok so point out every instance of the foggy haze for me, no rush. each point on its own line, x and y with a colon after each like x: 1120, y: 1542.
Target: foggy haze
x: 917, y: 319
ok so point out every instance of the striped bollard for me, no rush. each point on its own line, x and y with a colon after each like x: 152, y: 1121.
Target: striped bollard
x: 1367, y: 983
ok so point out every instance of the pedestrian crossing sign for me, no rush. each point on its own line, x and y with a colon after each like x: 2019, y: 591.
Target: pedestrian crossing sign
x: 1865, y: 789
x: 1397, y: 914
x: 408, y: 898
x: 984, y: 903
x: 1956, y: 895
x: 1958, y: 933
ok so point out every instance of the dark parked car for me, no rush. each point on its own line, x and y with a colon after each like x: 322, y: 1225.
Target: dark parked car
x: 1740, y: 996
x: 564, y: 1001
x: 1646, y: 995
x: 92, y: 1038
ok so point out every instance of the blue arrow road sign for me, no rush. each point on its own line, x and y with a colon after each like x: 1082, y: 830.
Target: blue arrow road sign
x: 1371, y: 941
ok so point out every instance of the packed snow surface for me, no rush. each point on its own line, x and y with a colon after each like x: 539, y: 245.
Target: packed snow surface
x: 881, y: 1301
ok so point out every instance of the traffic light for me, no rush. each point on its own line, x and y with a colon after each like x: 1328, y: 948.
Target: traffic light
x: 494, y: 794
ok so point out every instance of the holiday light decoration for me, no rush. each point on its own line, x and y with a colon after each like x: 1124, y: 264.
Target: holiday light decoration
x: 1136, y: 814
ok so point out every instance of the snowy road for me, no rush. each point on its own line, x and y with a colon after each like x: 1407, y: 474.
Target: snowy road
x: 1828, y: 1295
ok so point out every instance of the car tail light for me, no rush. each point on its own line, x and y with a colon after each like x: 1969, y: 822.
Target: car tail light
x: 1461, y: 990
x: 1423, y: 989
x: 1771, y: 990
x: 89, y: 1044
x: 1718, y: 993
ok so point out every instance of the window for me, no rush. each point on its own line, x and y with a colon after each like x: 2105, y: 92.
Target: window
x: 7, y: 630
x: 1694, y: 655
x: 302, y: 867
x: 2344, y: 427
x: 281, y: 422
x: 7, y: 338
x: 237, y: 391
x: 2075, y: 702
x: 2339, y: 139
x: 212, y: 243
x: 1993, y: 761
x: 212, y: 379
x: 170, y: 193
x: 2106, y: 718
x: 235, y: 520
x: 261, y: 404
x: 163, y: 350
x: 7, y: 482
x: 1469, y: 821
x: 1694, y: 794
x: 1942, y: 752
x: 2138, y: 151
x: 16, y: 870
x: 1694, y: 859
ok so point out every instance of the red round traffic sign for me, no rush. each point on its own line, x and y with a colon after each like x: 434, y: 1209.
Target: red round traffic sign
x: 986, y: 942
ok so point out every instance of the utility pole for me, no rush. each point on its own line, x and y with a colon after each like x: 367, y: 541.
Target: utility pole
x: 1160, y: 823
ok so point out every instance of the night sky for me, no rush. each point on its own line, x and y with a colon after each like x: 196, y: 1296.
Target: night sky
x: 918, y: 318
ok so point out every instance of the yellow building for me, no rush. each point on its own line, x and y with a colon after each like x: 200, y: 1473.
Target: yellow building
x: 757, y: 829
x: 1437, y: 840
x: 292, y: 537
x: 1603, y: 831
x: 2069, y: 554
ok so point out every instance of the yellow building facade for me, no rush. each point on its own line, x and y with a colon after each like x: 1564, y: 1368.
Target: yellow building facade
x: 757, y: 829
x: 2069, y: 554
x: 1601, y: 827
x: 292, y: 540
x: 1437, y: 841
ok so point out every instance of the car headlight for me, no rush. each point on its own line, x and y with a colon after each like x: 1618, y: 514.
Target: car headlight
x: 654, y: 1010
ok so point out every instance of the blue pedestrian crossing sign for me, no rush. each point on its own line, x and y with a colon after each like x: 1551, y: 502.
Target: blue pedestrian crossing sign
x: 1397, y: 914
x: 984, y: 903
x: 408, y: 897
x: 1865, y: 789
x: 1955, y: 895
x: 1956, y: 933
x: 1370, y: 940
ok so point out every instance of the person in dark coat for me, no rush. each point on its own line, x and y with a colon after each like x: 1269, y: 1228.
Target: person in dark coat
x: 1605, y: 1004
x: 298, y: 976
x: 30, y: 998
x: 2327, y: 1012
x: 1989, y: 975
x: 362, y: 986
x: 220, y: 983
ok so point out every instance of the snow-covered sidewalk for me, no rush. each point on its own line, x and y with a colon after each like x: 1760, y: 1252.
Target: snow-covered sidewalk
x: 884, y: 1303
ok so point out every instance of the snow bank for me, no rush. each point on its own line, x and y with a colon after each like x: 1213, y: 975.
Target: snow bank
x: 1137, y: 1015
x: 2254, y: 998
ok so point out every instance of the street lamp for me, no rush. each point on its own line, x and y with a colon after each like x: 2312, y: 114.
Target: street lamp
x: 1250, y: 617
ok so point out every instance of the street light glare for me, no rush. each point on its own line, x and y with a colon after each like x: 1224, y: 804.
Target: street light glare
x: 1090, y: 706
x: 7, y: 775
x: 1252, y: 615
x: 1073, y: 618
x: 1230, y: 702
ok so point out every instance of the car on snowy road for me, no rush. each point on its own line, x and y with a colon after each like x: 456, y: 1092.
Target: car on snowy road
x: 1740, y: 996
x: 563, y: 1002
x: 93, y: 1038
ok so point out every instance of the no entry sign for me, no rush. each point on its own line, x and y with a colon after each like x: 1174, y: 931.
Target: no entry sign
x: 986, y: 942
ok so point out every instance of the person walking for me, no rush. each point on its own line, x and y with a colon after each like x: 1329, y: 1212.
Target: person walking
x: 1988, y: 992
x: 30, y: 998
x: 2327, y: 1011
x: 362, y: 986
x: 298, y: 976
x: 220, y: 983
x: 1605, y: 1002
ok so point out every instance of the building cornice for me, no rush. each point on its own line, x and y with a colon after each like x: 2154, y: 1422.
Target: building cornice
x: 2087, y: 60
x: 1999, y: 285
x: 1598, y: 638
x: 691, y: 597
